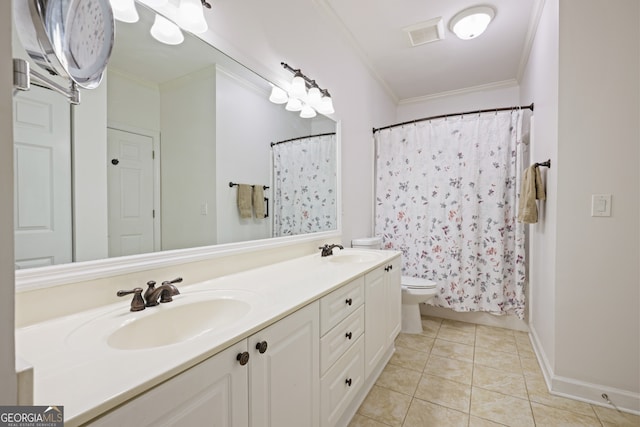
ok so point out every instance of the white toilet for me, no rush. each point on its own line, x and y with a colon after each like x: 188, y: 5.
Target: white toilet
x: 414, y: 290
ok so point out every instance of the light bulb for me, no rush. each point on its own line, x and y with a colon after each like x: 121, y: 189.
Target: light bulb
x: 314, y: 96
x: 166, y: 31
x: 124, y: 10
x: 294, y: 104
x: 191, y: 16
x: 326, y: 105
x: 298, y: 87
x: 278, y: 96
x: 307, y: 112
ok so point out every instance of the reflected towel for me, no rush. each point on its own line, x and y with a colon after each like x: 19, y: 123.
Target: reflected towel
x: 244, y: 200
x: 258, y: 201
x: 532, y: 189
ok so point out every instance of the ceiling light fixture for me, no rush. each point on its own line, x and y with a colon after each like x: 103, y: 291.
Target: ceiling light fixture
x: 472, y: 22
x: 305, y: 95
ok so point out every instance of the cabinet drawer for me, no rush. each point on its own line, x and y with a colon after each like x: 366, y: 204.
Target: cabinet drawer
x: 340, y: 303
x: 341, y: 383
x: 339, y: 339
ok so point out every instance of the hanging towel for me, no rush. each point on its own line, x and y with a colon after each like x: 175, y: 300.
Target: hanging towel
x: 258, y: 201
x: 532, y: 189
x: 244, y: 200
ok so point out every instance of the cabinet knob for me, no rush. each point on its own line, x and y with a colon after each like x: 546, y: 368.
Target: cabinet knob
x: 243, y: 358
x: 261, y: 346
x: 348, y: 382
x: 386, y: 268
x: 348, y: 335
x: 349, y: 301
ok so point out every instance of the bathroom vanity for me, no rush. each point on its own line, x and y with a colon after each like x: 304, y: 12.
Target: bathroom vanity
x: 296, y: 343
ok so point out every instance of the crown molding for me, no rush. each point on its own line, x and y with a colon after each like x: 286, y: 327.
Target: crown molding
x: 534, y: 21
x: 504, y: 84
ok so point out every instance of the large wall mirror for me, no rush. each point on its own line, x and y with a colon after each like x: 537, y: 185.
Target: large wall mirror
x: 144, y: 164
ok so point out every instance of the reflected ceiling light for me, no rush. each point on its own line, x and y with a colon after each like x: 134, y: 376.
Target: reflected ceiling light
x: 307, y: 112
x: 191, y: 16
x: 278, y: 96
x: 294, y: 104
x: 472, y: 22
x: 309, y: 103
x: 166, y: 31
x: 156, y: 3
x: 124, y: 10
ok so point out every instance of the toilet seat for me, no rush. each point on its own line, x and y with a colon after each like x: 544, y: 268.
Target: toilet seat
x: 417, y: 283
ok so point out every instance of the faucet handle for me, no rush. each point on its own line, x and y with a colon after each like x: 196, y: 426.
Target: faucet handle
x: 171, y: 282
x: 137, y: 303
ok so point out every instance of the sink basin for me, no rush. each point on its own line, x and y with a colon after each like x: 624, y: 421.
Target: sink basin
x: 354, y: 257
x: 190, y: 315
x: 177, y: 324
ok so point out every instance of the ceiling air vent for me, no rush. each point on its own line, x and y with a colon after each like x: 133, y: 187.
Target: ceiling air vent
x: 425, y: 32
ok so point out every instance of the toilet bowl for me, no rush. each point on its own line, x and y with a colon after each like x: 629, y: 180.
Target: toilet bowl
x: 414, y: 290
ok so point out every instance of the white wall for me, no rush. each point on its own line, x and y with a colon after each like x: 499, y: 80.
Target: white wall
x: 8, y: 391
x: 497, y: 96
x: 132, y: 103
x: 188, y: 176
x: 597, y: 269
x: 540, y: 85
x: 585, y: 270
x: 90, y: 212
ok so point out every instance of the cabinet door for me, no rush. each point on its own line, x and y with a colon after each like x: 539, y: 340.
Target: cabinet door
x: 212, y: 393
x: 394, y: 300
x: 375, y: 329
x: 284, y: 381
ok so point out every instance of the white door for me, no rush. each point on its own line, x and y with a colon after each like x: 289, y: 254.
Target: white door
x: 42, y: 178
x: 375, y: 307
x: 130, y: 193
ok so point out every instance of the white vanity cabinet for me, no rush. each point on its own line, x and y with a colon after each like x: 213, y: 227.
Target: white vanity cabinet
x: 279, y: 386
x: 213, y: 393
x: 341, y: 349
x: 383, y: 302
x: 284, y: 380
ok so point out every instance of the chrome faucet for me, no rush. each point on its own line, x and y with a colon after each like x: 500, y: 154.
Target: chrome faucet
x: 328, y: 249
x: 164, y: 292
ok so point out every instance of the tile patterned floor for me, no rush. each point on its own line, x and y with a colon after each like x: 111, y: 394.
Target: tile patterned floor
x: 465, y: 375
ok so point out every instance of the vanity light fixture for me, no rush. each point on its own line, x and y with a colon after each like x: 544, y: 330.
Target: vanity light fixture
x: 191, y: 16
x: 124, y: 10
x: 305, y: 95
x: 472, y: 22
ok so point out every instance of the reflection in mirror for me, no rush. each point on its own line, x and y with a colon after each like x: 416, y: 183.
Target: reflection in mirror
x: 182, y: 123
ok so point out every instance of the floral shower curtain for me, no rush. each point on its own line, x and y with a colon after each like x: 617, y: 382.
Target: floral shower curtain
x: 446, y: 196
x: 304, y: 181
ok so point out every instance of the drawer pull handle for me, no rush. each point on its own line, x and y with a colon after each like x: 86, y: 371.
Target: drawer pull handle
x: 348, y: 335
x: 349, y: 301
x: 243, y: 358
x: 348, y: 382
x: 261, y: 347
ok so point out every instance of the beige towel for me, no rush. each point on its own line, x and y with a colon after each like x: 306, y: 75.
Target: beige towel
x: 244, y: 200
x: 258, y: 201
x: 532, y: 189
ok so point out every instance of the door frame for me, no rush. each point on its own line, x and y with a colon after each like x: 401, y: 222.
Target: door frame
x: 155, y: 137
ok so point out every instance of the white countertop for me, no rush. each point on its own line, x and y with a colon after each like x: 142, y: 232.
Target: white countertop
x: 75, y: 367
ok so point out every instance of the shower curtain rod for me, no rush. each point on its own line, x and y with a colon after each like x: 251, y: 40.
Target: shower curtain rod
x: 442, y: 116
x: 301, y: 137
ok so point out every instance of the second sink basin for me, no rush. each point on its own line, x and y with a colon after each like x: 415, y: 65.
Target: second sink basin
x: 177, y: 324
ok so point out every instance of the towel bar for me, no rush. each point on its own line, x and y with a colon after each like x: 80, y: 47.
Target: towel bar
x: 233, y: 184
x: 546, y: 164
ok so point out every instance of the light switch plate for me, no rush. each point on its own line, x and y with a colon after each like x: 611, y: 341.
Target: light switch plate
x: 601, y: 205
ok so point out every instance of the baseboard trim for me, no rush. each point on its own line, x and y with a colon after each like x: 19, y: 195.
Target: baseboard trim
x: 557, y: 385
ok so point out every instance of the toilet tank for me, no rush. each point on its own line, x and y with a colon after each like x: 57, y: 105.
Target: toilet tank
x: 367, y: 243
